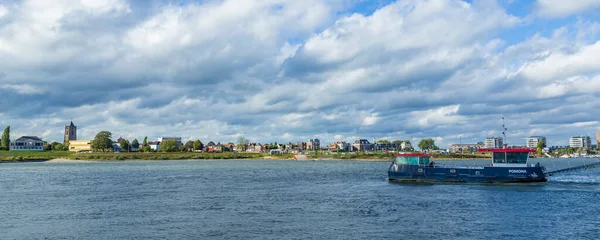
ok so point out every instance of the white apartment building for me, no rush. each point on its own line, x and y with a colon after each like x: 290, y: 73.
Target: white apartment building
x: 532, y: 142
x: 493, y: 142
x: 580, y: 142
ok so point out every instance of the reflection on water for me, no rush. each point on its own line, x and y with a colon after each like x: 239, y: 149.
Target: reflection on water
x: 283, y: 200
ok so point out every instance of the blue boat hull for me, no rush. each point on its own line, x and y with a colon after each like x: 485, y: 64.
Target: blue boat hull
x: 416, y: 173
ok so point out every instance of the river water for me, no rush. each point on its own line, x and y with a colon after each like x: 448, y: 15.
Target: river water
x: 282, y: 200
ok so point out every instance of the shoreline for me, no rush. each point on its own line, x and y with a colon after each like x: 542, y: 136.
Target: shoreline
x: 67, y: 160
x: 60, y: 156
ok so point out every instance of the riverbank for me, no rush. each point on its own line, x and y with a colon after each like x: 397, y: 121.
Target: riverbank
x: 61, y: 156
x: 67, y: 156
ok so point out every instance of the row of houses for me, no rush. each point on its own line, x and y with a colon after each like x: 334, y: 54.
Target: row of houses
x: 33, y: 143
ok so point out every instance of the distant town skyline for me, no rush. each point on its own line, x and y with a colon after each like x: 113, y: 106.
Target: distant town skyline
x: 485, y: 142
x: 289, y: 71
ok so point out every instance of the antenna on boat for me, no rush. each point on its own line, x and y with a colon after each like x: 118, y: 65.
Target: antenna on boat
x: 504, y: 129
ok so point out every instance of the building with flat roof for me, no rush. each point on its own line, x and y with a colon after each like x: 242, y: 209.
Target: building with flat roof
x: 493, y: 142
x: 532, y: 142
x: 580, y: 142
x: 598, y: 140
x: 80, y: 145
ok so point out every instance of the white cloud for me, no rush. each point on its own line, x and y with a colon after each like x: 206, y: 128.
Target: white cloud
x: 278, y: 70
x: 3, y: 11
x: 370, y: 120
x: 415, y: 41
x: 561, y: 8
x: 25, y: 89
x: 562, y: 64
x: 436, y: 117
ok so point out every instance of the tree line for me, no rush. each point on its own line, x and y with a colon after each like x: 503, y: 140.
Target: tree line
x: 103, y: 142
x: 424, y: 144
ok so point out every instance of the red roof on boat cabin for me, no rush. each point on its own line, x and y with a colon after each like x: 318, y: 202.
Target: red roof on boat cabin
x: 515, y: 150
x: 412, y: 155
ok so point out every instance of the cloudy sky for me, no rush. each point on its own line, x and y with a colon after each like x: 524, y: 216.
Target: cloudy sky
x: 279, y: 70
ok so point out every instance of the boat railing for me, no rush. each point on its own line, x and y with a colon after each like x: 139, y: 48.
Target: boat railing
x: 445, y: 165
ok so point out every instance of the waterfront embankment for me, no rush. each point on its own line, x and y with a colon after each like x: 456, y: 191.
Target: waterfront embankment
x: 62, y: 156
x: 14, y: 156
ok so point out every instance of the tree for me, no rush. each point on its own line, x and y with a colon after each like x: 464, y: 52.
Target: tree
x: 47, y: 146
x: 146, y: 149
x: 135, y: 144
x: 570, y: 150
x: 383, y: 141
x: 189, y: 146
x: 541, y: 144
x: 242, y: 143
x: 407, y: 148
x: 60, y: 147
x: 540, y: 147
x: 145, y: 142
x: 53, y: 145
x: 427, y: 143
x: 6, y: 139
x: 198, y: 145
x: 169, y: 146
x: 102, y: 141
x: 397, y: 142
x: 124, y: 144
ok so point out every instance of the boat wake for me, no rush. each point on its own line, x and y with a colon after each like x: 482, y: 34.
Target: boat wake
x: 575, y: 179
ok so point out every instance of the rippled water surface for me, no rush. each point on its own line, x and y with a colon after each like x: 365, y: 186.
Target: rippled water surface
x: 283, y: 200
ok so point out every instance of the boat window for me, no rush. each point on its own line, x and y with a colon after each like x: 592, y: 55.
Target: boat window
x: 424, y: 160
x: 499, y: 157
x: 409, y: 160
x: 401, y: 160
x: 516, y: 157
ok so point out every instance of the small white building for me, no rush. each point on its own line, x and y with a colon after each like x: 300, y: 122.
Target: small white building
x: 155, y: 146
x: 405, y: 145
x: 344, y: 146
x: 27, y: 143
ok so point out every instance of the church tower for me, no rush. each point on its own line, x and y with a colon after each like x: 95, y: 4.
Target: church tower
x: 70, y: 132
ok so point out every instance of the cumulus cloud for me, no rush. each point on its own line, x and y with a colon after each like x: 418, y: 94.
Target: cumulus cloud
x: 3, y: 11
x: 279, y: 70
x: 560, y: 8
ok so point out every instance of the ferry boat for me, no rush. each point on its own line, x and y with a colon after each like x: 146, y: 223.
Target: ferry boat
x: 509, y: 165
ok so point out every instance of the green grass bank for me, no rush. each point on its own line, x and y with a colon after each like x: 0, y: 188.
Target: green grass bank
x: 14, y: 156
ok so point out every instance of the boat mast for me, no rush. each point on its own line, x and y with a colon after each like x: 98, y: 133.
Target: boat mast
x: 504, y: 132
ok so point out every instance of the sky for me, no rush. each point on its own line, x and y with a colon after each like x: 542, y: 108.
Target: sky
x: 288, y: 71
